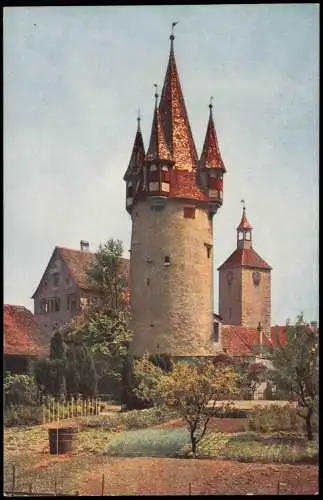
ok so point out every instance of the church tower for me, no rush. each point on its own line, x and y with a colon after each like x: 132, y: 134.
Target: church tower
x: 172, y: 196
x: 245, y: 283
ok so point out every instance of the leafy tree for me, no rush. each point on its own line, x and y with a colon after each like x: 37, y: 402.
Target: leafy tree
x: 190, y: 389
x: 108, y: 275
x: 296, y: 367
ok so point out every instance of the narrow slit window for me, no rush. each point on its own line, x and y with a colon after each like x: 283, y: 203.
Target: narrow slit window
x: 167, y: 260
x: 147, y: 281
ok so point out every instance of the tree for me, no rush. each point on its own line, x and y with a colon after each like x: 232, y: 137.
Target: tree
x: 296, y: 366
x: 107, y: 273
x: 190, y: 389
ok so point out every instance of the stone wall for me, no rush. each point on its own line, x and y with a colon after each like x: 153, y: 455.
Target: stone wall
x: 172, y: 305
x: 230, y: 296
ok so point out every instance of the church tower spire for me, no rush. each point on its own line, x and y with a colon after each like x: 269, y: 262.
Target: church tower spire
x: 244, y: 231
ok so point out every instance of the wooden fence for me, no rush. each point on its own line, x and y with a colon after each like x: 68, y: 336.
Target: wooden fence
x: 54, y: 411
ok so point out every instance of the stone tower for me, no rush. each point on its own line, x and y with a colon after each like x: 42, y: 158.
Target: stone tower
x: 172, y: 196
x: 245, y: 283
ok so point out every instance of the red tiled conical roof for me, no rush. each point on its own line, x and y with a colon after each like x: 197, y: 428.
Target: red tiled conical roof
x: 174, y: 119
x: 137, y: 155
x: 211, y: 156
x: 244, y: 223
x: 158, y: 149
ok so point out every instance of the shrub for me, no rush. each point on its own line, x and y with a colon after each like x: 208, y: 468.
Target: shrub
x: 19, y: 415
x: 148, y: 443
x: 134, y: 419
x: 19, y: 389
x: 275, y: 418
x: 210, y: 445
x: 223, y: 412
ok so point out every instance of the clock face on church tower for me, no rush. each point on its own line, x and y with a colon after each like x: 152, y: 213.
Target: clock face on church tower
x: 229, y: 277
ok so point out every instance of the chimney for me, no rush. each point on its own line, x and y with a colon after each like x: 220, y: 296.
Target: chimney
x: 85, y: 246
x: 314, y: 325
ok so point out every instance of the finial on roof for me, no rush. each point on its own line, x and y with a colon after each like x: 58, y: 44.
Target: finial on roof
x: 156, y: 93
x: 138, y: 119
x: 172, y: 32
x: 211, y: 102
x: 243, y: 205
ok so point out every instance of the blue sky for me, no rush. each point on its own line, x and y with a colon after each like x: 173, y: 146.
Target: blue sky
x: 74, y: 78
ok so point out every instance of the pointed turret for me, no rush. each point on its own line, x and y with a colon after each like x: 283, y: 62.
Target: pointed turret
x: 134, y: 172
x: 138, y: 154
x: 158, y: 149
x: 158, y: 158
x: 244, y: 231
x: 211, y: 166
x: 175, y: 120
x: 211, y: 156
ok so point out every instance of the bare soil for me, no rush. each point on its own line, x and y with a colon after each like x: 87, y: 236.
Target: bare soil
x: 164, y: 476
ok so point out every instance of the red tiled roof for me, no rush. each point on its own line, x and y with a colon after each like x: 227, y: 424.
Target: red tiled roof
x: 137, y: 155
x: 22, y: 333
x: 175, y: 121
x: 157, y: 148
x: 244, y: 223
x: 244, y: 341
x: 244, y: 257
x: 211, y: 156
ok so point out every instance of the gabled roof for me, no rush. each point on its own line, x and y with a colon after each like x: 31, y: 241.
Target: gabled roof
x: 211, y: 156
x: 244, y: 257
x: 22, y: 333
x: 77, y: 261
x: 137, y: 155
x: 244, y: 341
x: 174, y: 119
x: 158, y: 149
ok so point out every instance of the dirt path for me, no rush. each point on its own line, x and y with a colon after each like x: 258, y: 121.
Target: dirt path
x: 165, y: 476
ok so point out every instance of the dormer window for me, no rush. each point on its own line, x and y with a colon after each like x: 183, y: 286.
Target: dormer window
x: 129, y: 189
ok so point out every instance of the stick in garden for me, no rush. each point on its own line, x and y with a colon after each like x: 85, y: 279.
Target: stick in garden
x: 30, y: 489
x: 13, y: 479
x: 58, y: 411
x: 55, y: 486
x: 189, y: 489
x: 102, y: 489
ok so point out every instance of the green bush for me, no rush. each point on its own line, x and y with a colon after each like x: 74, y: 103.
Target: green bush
x: 275, y: 418
x: 228, y: 412
x: 19, y: 389
x: 248, y: 448
x: 148, y: 443
x: 211, y: 445
x: 19, y: 415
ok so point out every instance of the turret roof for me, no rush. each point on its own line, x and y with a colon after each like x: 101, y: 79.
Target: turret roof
x: 211, y: 156
x: 158, y: 148
x: 138, y: 153
x: 244, y: 223
x: 174, y: 119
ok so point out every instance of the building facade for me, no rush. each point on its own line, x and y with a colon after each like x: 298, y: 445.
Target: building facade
x: 172, y: 196
x: 64, y: 288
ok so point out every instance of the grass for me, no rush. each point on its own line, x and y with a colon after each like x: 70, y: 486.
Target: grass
x: 148, y: 443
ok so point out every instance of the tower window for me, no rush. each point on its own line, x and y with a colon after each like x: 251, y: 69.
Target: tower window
x: 208, y: 249
x: 153, y: 168
x: 55, y: 279
x: 167, y: 260
x: 189, y: 212
x: 147, y: 281
x: 216, y: 332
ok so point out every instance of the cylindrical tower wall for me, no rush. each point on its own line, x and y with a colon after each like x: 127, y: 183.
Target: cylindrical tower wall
x: 172, y: 303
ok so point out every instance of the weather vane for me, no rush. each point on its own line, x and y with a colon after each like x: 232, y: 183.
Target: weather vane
x: 243, y: 204
x: 211, y: 102
x: 173, y: 26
